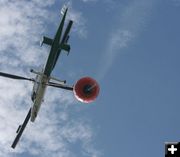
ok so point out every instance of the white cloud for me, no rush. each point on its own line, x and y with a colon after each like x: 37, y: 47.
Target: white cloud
x: 132, y: 20
x: 20, y: 28
x: 89, y: 0
x: 175, y: 2
x: 79, y: 25
x: 54, y: 132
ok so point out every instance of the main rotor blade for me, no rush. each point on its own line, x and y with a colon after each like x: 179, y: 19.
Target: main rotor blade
x: 60, y: 86
x: 21, y: 129
x: 14, y: 76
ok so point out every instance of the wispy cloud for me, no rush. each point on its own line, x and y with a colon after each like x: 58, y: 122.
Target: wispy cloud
x: 55, y: 132
x: 175, y: 2
x: 132, y: 20
x: 89, y: 0
x: 79, y: 21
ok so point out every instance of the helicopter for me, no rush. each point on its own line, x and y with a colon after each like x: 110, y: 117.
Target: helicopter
x: 85, y: 89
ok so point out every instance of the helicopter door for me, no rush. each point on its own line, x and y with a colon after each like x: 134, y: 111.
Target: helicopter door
x: 35, y: 88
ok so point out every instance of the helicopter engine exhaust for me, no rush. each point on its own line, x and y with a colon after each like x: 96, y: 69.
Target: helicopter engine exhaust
x: 86, y: 90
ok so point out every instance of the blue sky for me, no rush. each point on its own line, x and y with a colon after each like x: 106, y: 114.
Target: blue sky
x: 130, y: 46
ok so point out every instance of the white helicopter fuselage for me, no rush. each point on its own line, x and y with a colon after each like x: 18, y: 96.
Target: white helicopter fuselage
x: 38, y: 93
